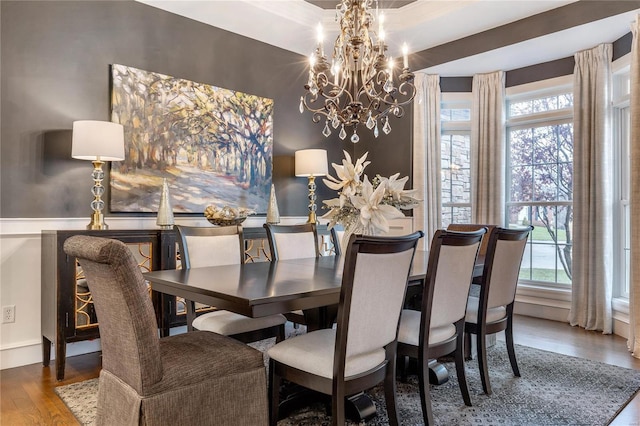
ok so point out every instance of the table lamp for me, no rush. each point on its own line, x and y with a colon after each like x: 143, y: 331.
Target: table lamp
x: 97, y: 141
x: 311, y: 163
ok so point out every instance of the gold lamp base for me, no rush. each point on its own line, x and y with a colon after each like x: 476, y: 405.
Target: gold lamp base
x: 97, y: 218
x: 312, y: 200
x: 97, y: 222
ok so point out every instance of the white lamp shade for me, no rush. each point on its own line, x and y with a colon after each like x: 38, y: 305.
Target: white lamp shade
x: 311, y: 162
x: 97, y: 140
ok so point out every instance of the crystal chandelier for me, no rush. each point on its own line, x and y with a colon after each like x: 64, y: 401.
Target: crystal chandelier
x: 358, y: 86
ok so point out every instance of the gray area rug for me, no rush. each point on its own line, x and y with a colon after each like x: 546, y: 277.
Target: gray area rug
x: 554, y: 390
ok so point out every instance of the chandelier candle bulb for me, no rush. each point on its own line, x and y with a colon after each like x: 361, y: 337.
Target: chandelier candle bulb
x: 405, y: 58
x: 320, y: 40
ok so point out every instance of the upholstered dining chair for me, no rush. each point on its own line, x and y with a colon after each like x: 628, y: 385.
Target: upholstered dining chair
x: 470, y: 227
x: 293, y: 242
x: 360, y: 352
x: 438, y: 328
x: 492, y: 311
x: 191, y: 378
x: 209, y: 246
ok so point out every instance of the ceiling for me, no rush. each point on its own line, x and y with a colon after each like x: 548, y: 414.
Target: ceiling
x: 422, y: 24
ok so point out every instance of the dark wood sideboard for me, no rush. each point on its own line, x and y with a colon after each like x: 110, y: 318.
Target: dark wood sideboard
x: 67, y: 310
x: 66, y: 306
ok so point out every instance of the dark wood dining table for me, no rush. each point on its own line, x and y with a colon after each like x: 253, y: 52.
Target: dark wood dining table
x: 266, y: 288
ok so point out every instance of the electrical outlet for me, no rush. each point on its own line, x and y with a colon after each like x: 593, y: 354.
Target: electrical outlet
x: 8, y: 314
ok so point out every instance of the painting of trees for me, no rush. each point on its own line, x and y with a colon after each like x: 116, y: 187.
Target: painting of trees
x: 213, y: 145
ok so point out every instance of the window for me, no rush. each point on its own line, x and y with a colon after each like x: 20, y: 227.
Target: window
x: 539, y: 180
x: 621, y: 137
x: 455, y: 116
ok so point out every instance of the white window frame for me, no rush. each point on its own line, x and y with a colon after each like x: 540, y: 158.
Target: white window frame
x: 544, y: 88
x: 620, y: 127
x: 456, y: 100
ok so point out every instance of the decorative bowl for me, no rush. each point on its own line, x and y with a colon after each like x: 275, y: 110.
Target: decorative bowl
x: 226, y: 222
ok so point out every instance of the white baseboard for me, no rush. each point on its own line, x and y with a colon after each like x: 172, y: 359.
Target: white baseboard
x: 31, y: 353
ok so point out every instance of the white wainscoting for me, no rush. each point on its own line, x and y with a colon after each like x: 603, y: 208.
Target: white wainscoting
x: 20, y: 252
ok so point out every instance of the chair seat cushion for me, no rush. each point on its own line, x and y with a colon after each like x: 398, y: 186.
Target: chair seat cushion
x: 200, y: 356
x: 229, y: 323
x: 493, y: 314
x: 313, y: 352
x: 409, y: 332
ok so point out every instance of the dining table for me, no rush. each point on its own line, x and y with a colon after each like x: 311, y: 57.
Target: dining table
x: 265, y: 288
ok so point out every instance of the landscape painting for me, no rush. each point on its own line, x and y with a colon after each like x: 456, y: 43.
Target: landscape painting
x: 213, y: 145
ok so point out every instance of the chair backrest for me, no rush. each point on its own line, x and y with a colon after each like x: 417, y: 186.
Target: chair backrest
x: 292, y: 241
x: 374, y: 281
x: 470, y: 227
x: 452, y: 257
x: 502, y: 266
x: 336, y: 235
x: 210, y: 246
x: 128, y: 327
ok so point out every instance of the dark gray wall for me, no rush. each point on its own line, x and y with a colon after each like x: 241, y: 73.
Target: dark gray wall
x: 55, y: 58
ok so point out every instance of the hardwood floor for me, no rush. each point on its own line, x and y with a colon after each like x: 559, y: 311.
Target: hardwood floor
x: 27, y: 396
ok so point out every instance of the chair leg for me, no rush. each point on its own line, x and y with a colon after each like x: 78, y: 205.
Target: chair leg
x: 404, y: 366
x: 510, y: 347
x: 425, y: 393
x: 191, y: 314
x: 460, y: 371
x: 390, y: 394
x: 338, y: 406
x: 467, y: 346
x: 274, y: 394
x: 281, y: 334
x: 481, y: 343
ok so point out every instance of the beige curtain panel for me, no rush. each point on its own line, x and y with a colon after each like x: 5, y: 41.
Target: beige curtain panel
x: 488, y: 148
x: 426, y: 157
x: 592, y: 191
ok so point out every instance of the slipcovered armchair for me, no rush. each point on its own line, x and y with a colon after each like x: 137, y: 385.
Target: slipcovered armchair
x: 492, y: 311
x: 209, y: 246
x: 438, y: 328
x: 198, y: 378
x: 360, y: 352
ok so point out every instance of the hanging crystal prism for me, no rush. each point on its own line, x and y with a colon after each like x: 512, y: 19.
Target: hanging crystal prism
x: 336, y: 122
x: 343, y: 133
x: 388, y: 86
x: 375, y: 131
x: 354, y: 137
x: 326, y: 131
x: 301, y: 105
x: 314, y: 88
x: 370, y: 122
x: 387, y: 127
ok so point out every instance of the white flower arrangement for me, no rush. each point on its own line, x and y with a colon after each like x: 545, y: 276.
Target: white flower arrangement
x: 365, y: 206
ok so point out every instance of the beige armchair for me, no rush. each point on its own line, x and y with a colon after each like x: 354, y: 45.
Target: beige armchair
x: 293, y: 242
x: 438, y: 328
x: 209, y: 246
x: 194, y: 378
x: 360, y: 352
x: 492, y: 311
